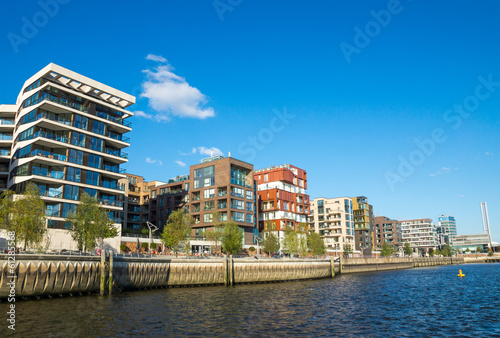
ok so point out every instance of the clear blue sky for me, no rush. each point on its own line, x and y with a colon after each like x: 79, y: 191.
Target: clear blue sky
x: 354, y: 122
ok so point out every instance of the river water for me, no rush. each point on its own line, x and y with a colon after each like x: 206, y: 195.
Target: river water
x: 405, y: 303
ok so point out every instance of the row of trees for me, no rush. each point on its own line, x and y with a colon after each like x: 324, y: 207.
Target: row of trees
x: 447, y: 251
x: 25, y: 215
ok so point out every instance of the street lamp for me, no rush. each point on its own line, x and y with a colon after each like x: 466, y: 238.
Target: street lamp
x: 152, y: 228
x: 258, y: 239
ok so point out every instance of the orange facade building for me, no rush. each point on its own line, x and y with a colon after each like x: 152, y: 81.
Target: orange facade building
x: 283, y: 202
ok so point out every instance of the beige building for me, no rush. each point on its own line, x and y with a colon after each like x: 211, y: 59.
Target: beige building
x: 332, y: 219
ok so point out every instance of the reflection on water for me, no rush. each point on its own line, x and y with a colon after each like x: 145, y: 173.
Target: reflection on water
x: 417, y: 302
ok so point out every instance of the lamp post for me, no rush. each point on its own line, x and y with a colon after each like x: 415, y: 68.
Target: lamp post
x: 152, y: 228
x: 258, y: 240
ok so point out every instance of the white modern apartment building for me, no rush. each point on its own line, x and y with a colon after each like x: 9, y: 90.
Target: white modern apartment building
x: 332, y: 219
x: 68, y: 140
x: 471, y: 242
x: 420, y: 233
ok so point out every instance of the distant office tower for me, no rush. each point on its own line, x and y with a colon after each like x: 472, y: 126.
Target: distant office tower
x: 449, y: 227
x: 67, y: 140
x: 486, y: 220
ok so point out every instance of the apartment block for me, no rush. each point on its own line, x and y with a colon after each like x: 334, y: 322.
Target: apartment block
x: 167, y: 198
x: 389, y: 231
x: 333, y: 220
x: 420, y: 233
x: 448, y: 226
x: 363, y: 225
x: 68, y: 139
x: 471, y: 242
x: 283, y: 202
x: 224, y: 185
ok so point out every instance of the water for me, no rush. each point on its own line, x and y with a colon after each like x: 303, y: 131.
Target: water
x: 406, y: 303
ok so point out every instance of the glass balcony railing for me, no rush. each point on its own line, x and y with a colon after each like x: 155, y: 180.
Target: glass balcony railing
x: 116, y: 153
x: 4, y: 152
x: 52, y: 213
x: 118, y: 137
x: 63, y: 102
x: 114, y: 119
x: 53, y: 117
x: 105, y: 201
x: 5, y: 137
x: 52, y: 174
x: 51, y: 136
x: 7, y: 121
x: 48, y: 154
x: 51, y: 193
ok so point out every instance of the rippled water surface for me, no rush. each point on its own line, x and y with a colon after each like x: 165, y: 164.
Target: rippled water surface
x: 414, y: 303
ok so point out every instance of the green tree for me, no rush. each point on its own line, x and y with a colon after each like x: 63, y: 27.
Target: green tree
x: 347, y: 250
x: 123, y: 247
x: 25, y: 215
x: 447, y: 251
x: 215, y: 235
x: 177, y: 230
x: 479, y: 249
x: 437, y: 252
x: 291, y: 242
x: 315, y: 244
x: 144, y: 245
x: 232, y: 238
x: 387, y: 250
x: 153, y: 245
x: 431, y: 252
x: 467, y: 250
x: 90, y: 224
x: 408, y: 251
x: 270, y: 243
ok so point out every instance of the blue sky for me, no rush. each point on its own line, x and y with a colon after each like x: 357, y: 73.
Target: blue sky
x: 300, y: 78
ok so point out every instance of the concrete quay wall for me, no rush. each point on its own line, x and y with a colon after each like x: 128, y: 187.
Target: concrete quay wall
x: 38, y: 275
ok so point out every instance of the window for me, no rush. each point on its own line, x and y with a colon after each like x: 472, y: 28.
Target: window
x: 249, y: 218
x: 76, y: 156
x: 71, y: 192
x: 162, y: 191
x: 207, y: 218
x: 93, y: 193
x: 95, y: 161
x: 238, y: 216
x: 223, y: 217
x: 285, y: 205
x: 153, y: 194
x: 237, y: 204
x: 98, y: 127
x: 77, y: 139
x: 74, y: 174
x: 198, y: 172
x: 222, y: 192
x: 208, y: 171
x: 209, y: 181
x: 209, y: 205
x: 209, y: 193
x: 196, y: 184
x: 81, y: 122
x: 249, y: 206
x: 161, y: 202
x: 222, y: 204
x: 237, y: 192
x: 96, y: 144
x: 265, y: 178
x: 67, y: 208
x: 239, y: 176
x: 92, y: 178
x: 249, y: 194
x: 30, y: 117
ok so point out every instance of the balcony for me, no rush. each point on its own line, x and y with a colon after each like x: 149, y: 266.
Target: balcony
x: 7, y: 122
x: 114, y: 119
x: 118, y: 137
x: 48, y: 154
x: 62, y: 102
x: 117, y: 153
x: 112, y: 203
x: 5, y: 137
x: 53, y: 117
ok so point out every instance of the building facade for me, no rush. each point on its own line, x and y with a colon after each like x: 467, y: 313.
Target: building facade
x: 420, y: 233
x: 448, y: 228
x: 68, y: 140
x: 224, y: 185
x: 282, y: 199
x: 167, y: 198
x: 333, y: 220
x: 363, y: 225
x: 471, y: 242
x: 389, y: 231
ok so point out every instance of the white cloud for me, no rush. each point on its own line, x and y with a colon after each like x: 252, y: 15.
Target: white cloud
x: 170, y: 94
x: 157, y: 118
x: 204, y: 151
x: 210, y: 151
x: 151, y: 161
x: 157, y: 58
x: 489, y: 154
x: 444, y: 170
x: 180, y: 163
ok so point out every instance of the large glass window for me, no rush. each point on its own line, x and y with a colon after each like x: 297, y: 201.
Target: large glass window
x: 209, y: 181
x: 81, y: 122
x: 71, y: 192
x: 238, y: 216
x: 249, y: 194
x: 237, y: 204
x: 239, y: 176
x: 74, y: 174
x: 249, y: 218
x: 96, y: 144
x: 237, y: 192
x: 92, y: 178
x: 209, y: 205
x: 67, y: 208
x: 209, y: 193
x: 78, y: 139
x: 249, y: 206
x: 91, y: 192
x: 207, y: 218
x: 95, y: 161
x: 208, y: 171
x: 76, y: 156
x: 99, y: 127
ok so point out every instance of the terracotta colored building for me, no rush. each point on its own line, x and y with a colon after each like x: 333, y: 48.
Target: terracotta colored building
x: 283, y: 202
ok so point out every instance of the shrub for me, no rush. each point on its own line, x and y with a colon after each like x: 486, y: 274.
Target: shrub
x: 123, y: 247
x: 251, y: 249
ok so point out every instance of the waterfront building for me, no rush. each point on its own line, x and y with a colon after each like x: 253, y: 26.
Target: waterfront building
x: 363, y: 225
x: 167, y: 198
x: 68, y: 139
x: 224, y: 185
x: 389, y: 231
x: 449, y: 227
x: 333, y: 220
x: 283, y: 202
x: 471, y: 242
x: 420, y: 233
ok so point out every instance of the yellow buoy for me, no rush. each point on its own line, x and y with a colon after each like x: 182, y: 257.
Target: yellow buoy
x: 460, y: 274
